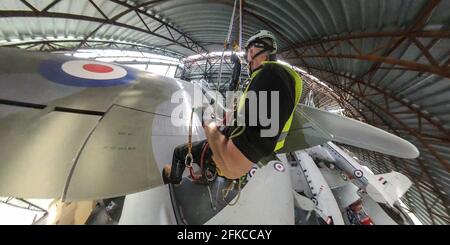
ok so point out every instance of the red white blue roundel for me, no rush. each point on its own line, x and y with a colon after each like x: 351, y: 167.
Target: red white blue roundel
x: 279, y: 167
x: 86, y: 73
x: 314, y: 200
x: 252, y: 172
x: 358, y: 173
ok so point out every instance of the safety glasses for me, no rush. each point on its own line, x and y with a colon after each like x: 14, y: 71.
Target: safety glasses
x: 256, y: 44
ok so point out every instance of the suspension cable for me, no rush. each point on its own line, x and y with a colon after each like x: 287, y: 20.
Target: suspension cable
x: 227, y: 40
x: 240, y: 25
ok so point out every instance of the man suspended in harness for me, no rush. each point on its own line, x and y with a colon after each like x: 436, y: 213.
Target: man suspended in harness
x: 234, y: 82
x: 233, y: 151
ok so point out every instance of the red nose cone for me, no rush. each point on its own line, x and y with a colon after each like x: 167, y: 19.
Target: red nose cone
x: 97, y: 68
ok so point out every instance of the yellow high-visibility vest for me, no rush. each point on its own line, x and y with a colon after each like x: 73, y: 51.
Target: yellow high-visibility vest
x: 298, y: 93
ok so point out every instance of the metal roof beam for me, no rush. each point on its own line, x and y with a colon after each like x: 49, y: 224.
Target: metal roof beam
x: 48, y: 7
x: 272, y: 26
x: 397, y: 38
x: 98, y: 9
x: 186, y: 42
x: 422, y: 18
x: 376, y: 107
x: 444, y: 198
x: 391, y: 96
x: 29, y: 5
x: 117, y: 16
x: 365, y: 35
x: 361, y: 99
x: 410, y: 65
x: 189, y: 40
x: 61, y: 47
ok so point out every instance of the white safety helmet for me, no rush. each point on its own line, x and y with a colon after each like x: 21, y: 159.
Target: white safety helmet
x: 260, y: 35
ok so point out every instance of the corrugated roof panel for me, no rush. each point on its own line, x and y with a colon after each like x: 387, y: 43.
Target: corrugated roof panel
x: 13, y: 5
x: 79, y: 7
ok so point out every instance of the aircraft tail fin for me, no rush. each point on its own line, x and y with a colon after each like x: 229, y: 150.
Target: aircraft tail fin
x: 389, y: 187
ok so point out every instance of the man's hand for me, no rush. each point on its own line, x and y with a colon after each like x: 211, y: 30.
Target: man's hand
x: 210, y: 129
x: 227, y: 157
x: 214, y: 137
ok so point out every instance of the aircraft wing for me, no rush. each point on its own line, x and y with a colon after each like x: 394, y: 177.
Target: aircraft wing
x: 273, y: 206
x: 311, y: 127
x: 65, y: 134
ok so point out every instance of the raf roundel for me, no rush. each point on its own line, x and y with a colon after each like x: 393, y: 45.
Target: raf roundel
x: 279, y: 167
x: 358, y: 173
x: 314, y: 200
x: 86, y: 73
x: 252, y: 172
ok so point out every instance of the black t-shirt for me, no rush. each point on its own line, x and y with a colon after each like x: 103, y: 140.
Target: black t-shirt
x: 271, y: 77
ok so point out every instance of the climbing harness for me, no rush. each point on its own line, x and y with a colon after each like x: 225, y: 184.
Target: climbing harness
x: 189, y: 159
x: 227, y: 191
x: 208, y: 172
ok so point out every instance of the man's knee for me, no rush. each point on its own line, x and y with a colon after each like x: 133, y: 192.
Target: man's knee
x: 179, y: 155
x: 180, y: 152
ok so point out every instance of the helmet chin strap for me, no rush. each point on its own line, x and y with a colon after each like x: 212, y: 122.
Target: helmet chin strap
x: 253, y: 58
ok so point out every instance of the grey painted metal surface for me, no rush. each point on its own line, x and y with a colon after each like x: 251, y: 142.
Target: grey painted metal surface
x: 38, y: 151
x: 101, y: 147
x: 277, y: 207
x: 151, y: 207
x: 117, y: 152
